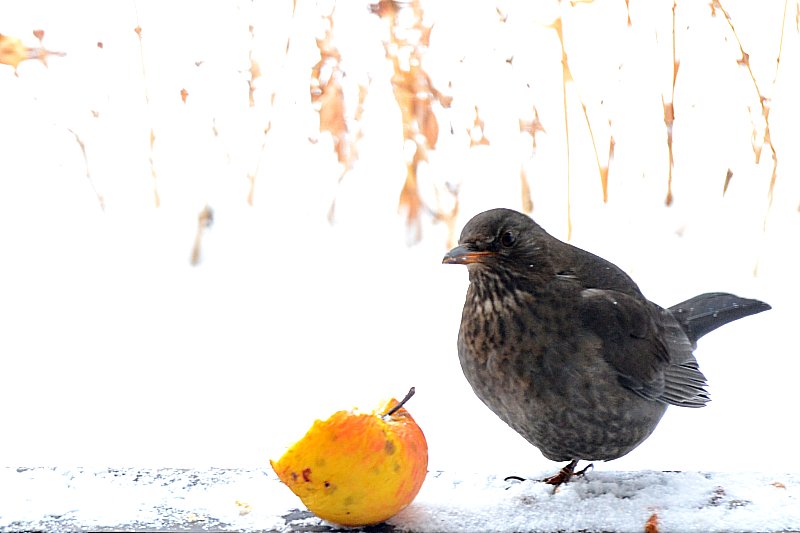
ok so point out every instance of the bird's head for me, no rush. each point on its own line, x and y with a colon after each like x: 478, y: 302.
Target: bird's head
x: 498, y: 237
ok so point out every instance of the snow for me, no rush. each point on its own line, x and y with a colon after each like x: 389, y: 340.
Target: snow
x: 116, y: 352
x: 619, y: 501
x: 248, y: 500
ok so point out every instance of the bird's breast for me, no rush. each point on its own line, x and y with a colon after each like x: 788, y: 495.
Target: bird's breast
x: 498, y: 337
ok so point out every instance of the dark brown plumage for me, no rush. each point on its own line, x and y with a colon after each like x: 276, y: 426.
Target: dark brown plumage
x: 563, y: 347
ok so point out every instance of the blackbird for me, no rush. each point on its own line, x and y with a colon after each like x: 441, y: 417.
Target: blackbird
x: 564, y: 348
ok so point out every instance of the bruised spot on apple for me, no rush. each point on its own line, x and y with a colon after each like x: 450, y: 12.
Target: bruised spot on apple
x: 367, y: 466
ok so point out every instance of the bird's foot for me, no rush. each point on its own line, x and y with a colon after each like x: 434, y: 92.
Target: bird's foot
x: 563, y: 476
x: 566, y: 473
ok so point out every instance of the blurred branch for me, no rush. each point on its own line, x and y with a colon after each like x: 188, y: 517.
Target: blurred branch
x: 255, y: 73
x: 204, y: 220
x: 530, y: 127
x: 82, y: 146
x: 255, y: 69
x: 151, y: 159
x: 566, y: 78
x: 602, y: 168
x: 669, y: 109
x: 415, y: 95
x: 328, y: 98
x: 763, y: 101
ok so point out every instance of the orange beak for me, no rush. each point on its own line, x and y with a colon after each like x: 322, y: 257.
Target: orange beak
x: 462, y: 255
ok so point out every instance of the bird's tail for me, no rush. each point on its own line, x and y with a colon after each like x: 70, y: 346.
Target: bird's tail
x: 706, y: 312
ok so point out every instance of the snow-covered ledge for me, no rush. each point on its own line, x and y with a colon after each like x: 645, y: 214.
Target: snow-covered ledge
x: 69, y: 499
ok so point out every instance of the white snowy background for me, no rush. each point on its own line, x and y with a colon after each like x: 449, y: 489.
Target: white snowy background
x: 116, y: 351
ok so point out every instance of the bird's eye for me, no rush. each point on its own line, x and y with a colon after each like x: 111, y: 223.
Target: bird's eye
x: 508, y: 239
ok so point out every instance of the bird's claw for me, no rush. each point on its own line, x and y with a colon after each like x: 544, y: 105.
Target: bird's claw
x: 566, y: 473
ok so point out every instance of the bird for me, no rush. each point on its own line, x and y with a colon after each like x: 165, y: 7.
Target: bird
x: 563, y: 346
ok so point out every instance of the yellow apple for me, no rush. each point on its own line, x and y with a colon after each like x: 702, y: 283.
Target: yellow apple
x: 357, y: 469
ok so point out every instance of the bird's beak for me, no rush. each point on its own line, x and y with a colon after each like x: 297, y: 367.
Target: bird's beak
x: 463, y: 255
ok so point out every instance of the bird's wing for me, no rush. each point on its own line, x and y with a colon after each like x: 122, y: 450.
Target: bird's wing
x: 645, y: 345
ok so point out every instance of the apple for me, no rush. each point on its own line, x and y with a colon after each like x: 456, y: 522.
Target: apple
x: 357, y: 469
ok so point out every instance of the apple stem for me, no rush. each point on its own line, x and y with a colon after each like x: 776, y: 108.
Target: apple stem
x: 402, y: 402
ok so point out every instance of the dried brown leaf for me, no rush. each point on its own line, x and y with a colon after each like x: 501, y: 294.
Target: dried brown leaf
x: 669, y: 114
x: 331, y: 111
x: 728, y: 176
x: 611, y: 146
x: 332, y: 119
x: 204, y: 220
x: 410, y: 201
x: 604, y: 182
x: 385, y: 8
x: 429, y: 125
x: 531, y: 127
x: 744, y: 61
x: 255, y: 69
x: 651, y: 526
x: 477, y: 133
x: 13, y: 52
